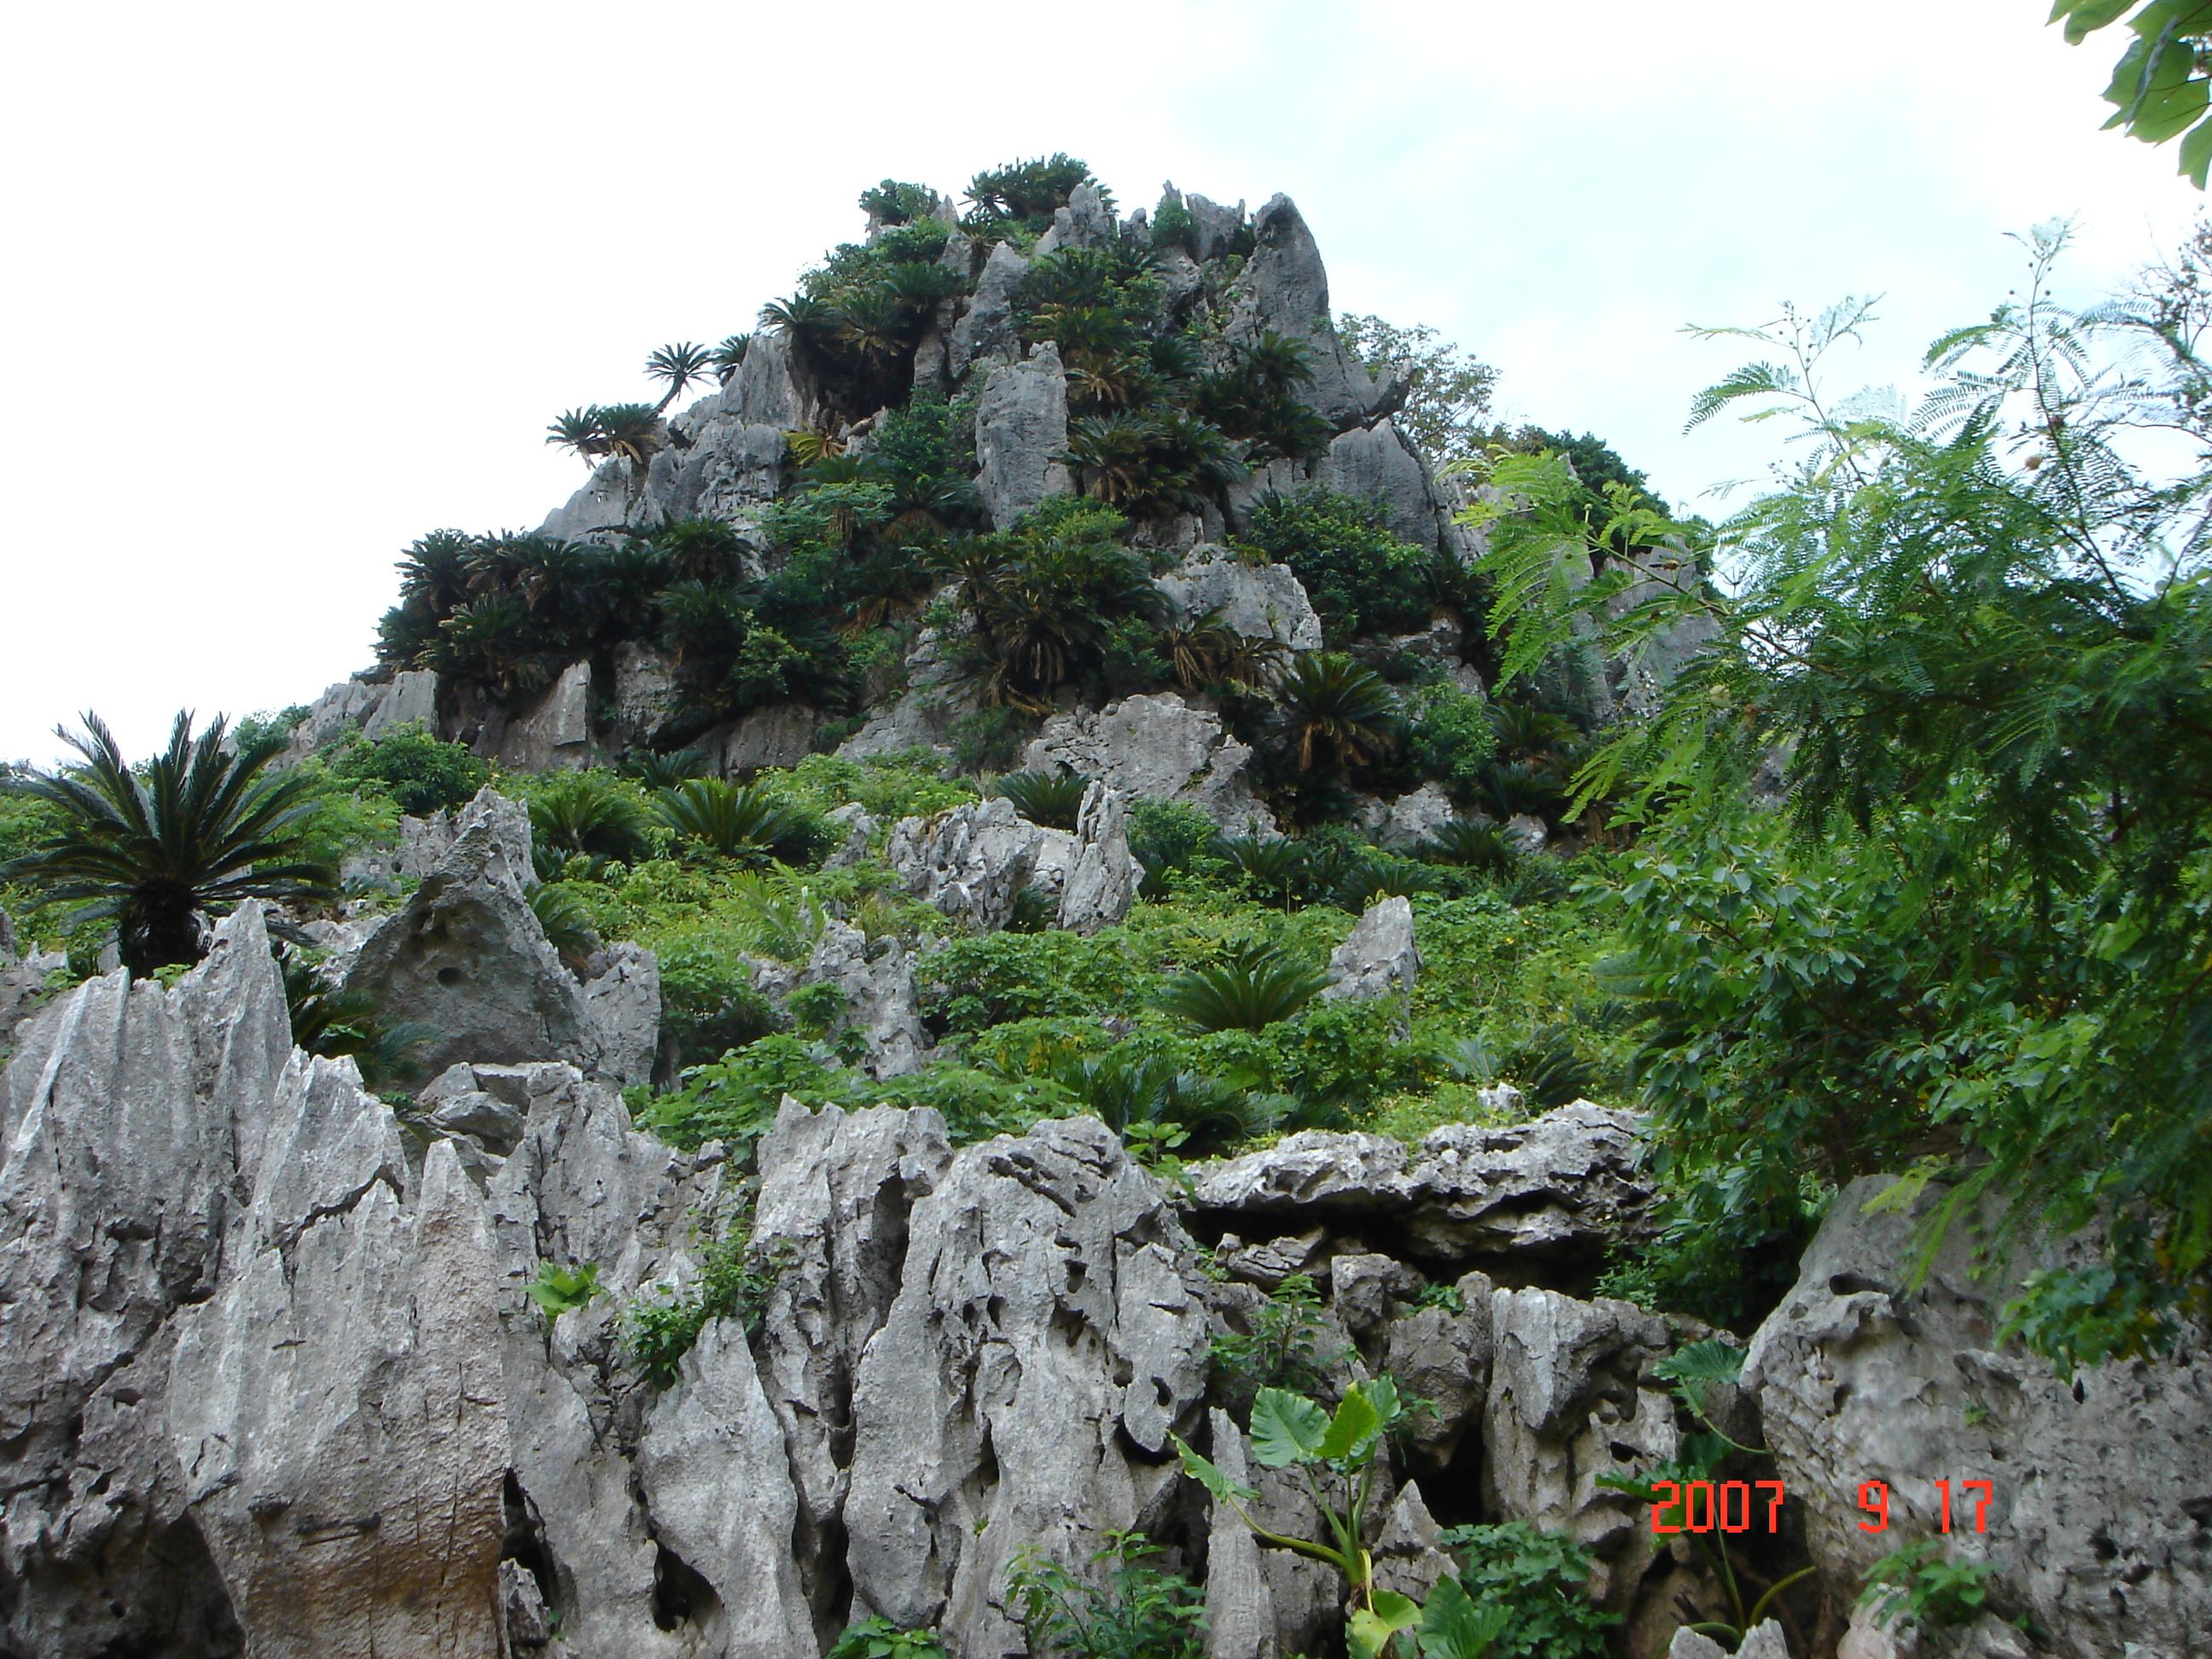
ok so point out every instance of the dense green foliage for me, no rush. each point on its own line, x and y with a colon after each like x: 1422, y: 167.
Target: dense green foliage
x: 198, y: 829
x: 2160, y: 83
x: 1133, y: 1611
x: 1538, y: 1575
x: 419, y: 774
x: 1976, y: 639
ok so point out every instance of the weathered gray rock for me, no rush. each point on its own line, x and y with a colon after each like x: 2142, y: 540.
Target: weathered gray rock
x: 1101, y: 881
x: 467, y: 958
x: 1021, y: 429
x: 373, y: 709
x: 23, y: 986
x: 975, y: 1429
x: 410, y: 699
x: 1376, y: 464
x: 1571, y: 1399
x: 338, y: 1401
x: 1553, y: 1193
x: 969, y: 861
x: 622, y: 1003
x: 854, y: 826
x: 1765, y: 1640
x: 770, y: 389
x: 781, y: 735
x: 835, y: 1193
x: 1378, y: 957
x: 1443, y: 1356
x: 1412, y: 818
x: 1214, y: 227
x: 1239, y: 1611
x: 1409, y: 1556
x: 876, y: 980
x: 555, y: 735
x: 2099, y: 1477
x: 985, y: 332
x: 1259, y: 601
x: 1285, y: 288
x: 644, y: 692
x: 1527, y: 833
x: 1159, y: 748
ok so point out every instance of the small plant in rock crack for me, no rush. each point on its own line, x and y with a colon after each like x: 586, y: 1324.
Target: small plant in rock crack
x: 1442, y: 1295
x: 1337, y: 1457
x: 1281, y: 1350
x: 736, y: 1278
x: 1134, y: 1612
x: 879, y: 1639
x: 559, y: 1290
x: 1694, y: 1371
x: 1919, y: 1586
x: 1539, y: 1575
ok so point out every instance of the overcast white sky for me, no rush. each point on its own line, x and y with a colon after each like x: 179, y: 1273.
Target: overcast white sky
x: 286, y: 286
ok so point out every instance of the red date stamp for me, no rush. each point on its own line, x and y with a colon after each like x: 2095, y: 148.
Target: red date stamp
x: 1734, y: 1506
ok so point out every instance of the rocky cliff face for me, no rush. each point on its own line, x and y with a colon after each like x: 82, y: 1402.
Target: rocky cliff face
x: 274, y: 1383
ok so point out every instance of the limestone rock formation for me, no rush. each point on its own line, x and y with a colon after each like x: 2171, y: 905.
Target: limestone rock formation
x: 1021, y: 428
x: 373, y: 709
x: 2098, y: 1481
x: 876, y: 981
x: 1259, y: 601
x: 467, y: 958
x: 1378, y: 957
x: 1101, y: 881
x: 1560, y: 1189
x: 1283, y: 287
x: 976, y: 1430
x: 970, y: 861
x: 1159, y: 748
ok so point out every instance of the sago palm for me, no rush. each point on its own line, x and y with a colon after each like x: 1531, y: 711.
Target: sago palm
x: 1335, y: 712
x: 1247, y: 992
x: 678, y: 365
x: 729, y: 356
x: 160, y: 851
x: 744, y: 823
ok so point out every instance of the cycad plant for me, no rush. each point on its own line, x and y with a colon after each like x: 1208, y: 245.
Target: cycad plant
x: 1052, y: 799
x: 679, y: 367
x: 1336, y: 715
x: 1248, y: 992
x: 1276, y: 870
x: 1470, y: 843
x: 587, y: 815
x: 744, y: 823
x: 195, y: 830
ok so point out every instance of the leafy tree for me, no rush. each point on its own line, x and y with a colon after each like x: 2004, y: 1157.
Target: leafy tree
x: 1362, y: 578
x: 1981, y: 630
x: 158, y: 850
x: 421, y: 774
x: 2159, y: 87
x: 1447, y: 393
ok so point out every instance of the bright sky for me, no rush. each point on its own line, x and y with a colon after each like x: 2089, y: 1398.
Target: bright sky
x: 287, y: 286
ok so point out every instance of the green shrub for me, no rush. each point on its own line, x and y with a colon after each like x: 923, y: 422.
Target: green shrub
x: 1360, y: 577
x: 420, y: 774
x: 1280, y: 1347
x: 746, y: 822
x: 1448, y: 736
x: 879, y: 1639
x: 1918, y: 1585
x: 973, y: 983
x: 1538, y: 1575
x: 558, y: 1290
x: 735, y: 1281
x: 1138, y: 1612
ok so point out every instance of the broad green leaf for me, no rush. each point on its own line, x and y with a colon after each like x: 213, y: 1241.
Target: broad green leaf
x: 1286, y: 1429
x: 1218, y: 1485
x: 1453, y: 1627
x: 1352, y: 1430
x: 1371, y: 1630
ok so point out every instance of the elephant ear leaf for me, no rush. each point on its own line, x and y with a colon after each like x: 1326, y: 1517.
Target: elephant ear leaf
x: 1694, y: 1369
x: 1219, y: 1486
x: 1351, y: 1432
x: 1371, y: 1629
x: 1286, y: 1429
x: 1453, y: 1626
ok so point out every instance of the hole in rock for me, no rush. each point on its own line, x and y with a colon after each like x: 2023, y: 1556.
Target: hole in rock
x: 523, y: 1540
x: 680, y: 1594
x: 450, y: 976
